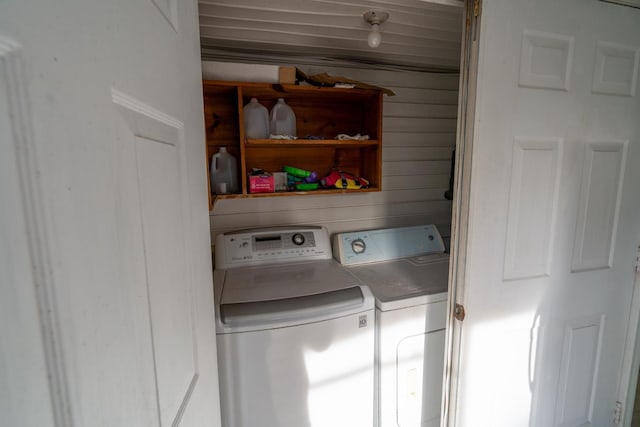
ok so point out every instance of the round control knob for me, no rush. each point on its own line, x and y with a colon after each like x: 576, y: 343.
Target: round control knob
x: 297, y: 239
x: 358, y: 246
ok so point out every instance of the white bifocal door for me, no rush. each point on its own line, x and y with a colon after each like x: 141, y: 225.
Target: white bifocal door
x: 107, y: 301
x: 554, y: 215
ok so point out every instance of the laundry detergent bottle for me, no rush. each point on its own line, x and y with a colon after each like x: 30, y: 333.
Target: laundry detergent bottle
x: 283, y: 120
x: 224, y: 173
x: 256, y: 120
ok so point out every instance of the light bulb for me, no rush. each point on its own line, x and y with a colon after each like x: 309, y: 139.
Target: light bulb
x: 374, y: 37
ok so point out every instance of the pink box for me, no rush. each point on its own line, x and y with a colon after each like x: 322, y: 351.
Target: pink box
x: 261, y: 183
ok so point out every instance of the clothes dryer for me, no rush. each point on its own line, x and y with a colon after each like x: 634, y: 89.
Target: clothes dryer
x: 406, y: 268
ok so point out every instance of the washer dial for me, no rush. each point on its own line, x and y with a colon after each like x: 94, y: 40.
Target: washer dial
x: 358, y: 246
x: 297, y: 239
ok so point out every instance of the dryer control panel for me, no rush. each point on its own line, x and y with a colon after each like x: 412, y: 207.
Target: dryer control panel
x: 261, y: 246
x: 359, y: 247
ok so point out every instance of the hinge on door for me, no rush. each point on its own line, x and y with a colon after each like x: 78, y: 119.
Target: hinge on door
x: 638, y: 260
x: 459, y: 313
x: 617, y: 413
x: 476, y: 8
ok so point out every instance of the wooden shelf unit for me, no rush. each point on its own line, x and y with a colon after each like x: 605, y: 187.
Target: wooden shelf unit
x: 323, y: 112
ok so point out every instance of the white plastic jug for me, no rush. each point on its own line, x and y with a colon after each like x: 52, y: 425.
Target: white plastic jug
x: 283, y: 120
x: 256, y: 120
x: 224, y: 173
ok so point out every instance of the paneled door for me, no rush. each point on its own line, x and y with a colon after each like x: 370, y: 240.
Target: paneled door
x: 554, y: 215
x: 106, y: 302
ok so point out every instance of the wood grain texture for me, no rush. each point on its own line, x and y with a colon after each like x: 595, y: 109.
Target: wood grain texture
x: 324, y: 113
x: 418, y: 130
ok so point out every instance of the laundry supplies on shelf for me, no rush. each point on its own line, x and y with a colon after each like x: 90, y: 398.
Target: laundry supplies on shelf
x: 328, y: 129
x: 283, y: 119
x: 344, y: 180
x: 256, y: 120
x: 301, y: 180
x: 224, y: 173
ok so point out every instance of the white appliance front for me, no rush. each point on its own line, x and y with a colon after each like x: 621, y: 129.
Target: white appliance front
x: 295, y: 334
x: 410, y: 346
x: 318, y: 374
x: 407, y: 272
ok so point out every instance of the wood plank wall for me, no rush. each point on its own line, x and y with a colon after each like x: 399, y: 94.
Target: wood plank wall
x: 419, y: 132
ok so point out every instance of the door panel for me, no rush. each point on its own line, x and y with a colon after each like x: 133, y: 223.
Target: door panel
x: 532, y: 208
x: 419, y: 375
x: 117, y: 167
x: 168, y: 279
x: 599, y: 205
x: 579, y: 371
x: 553, y: 215
x: 158, y: 142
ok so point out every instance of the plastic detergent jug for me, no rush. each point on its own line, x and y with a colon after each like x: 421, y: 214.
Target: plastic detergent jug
x: 256, y: 120
x: 283, y: 120
x: 224, y: 173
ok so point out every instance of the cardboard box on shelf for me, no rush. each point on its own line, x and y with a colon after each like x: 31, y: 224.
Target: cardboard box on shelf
x: 287, y: 75
x: 231, y: 71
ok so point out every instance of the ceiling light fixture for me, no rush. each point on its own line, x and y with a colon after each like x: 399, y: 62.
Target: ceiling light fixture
x: 375, y: 18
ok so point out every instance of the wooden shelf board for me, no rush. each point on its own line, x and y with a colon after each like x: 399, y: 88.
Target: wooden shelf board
x: 310, y: 142
x: 293, y: 193
x: 329, y: 91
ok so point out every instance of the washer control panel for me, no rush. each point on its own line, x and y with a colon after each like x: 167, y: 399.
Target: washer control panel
x: 359, y: 247
x: 271, y: 245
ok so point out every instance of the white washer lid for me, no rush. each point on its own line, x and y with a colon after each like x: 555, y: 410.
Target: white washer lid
x: 406, y: 282
x: 278, y: 281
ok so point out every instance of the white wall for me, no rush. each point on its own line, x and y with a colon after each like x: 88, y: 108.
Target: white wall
x: 418, y: 138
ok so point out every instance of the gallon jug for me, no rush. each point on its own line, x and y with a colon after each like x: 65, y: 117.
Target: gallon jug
x: 256, y: 120
x: 283, y: 120
x: 224, y: 173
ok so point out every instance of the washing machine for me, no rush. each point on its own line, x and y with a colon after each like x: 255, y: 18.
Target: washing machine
x: 407, y: 270
x: 295, y: 332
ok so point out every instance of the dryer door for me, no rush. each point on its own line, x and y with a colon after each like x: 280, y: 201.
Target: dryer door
x: 411, y: 354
